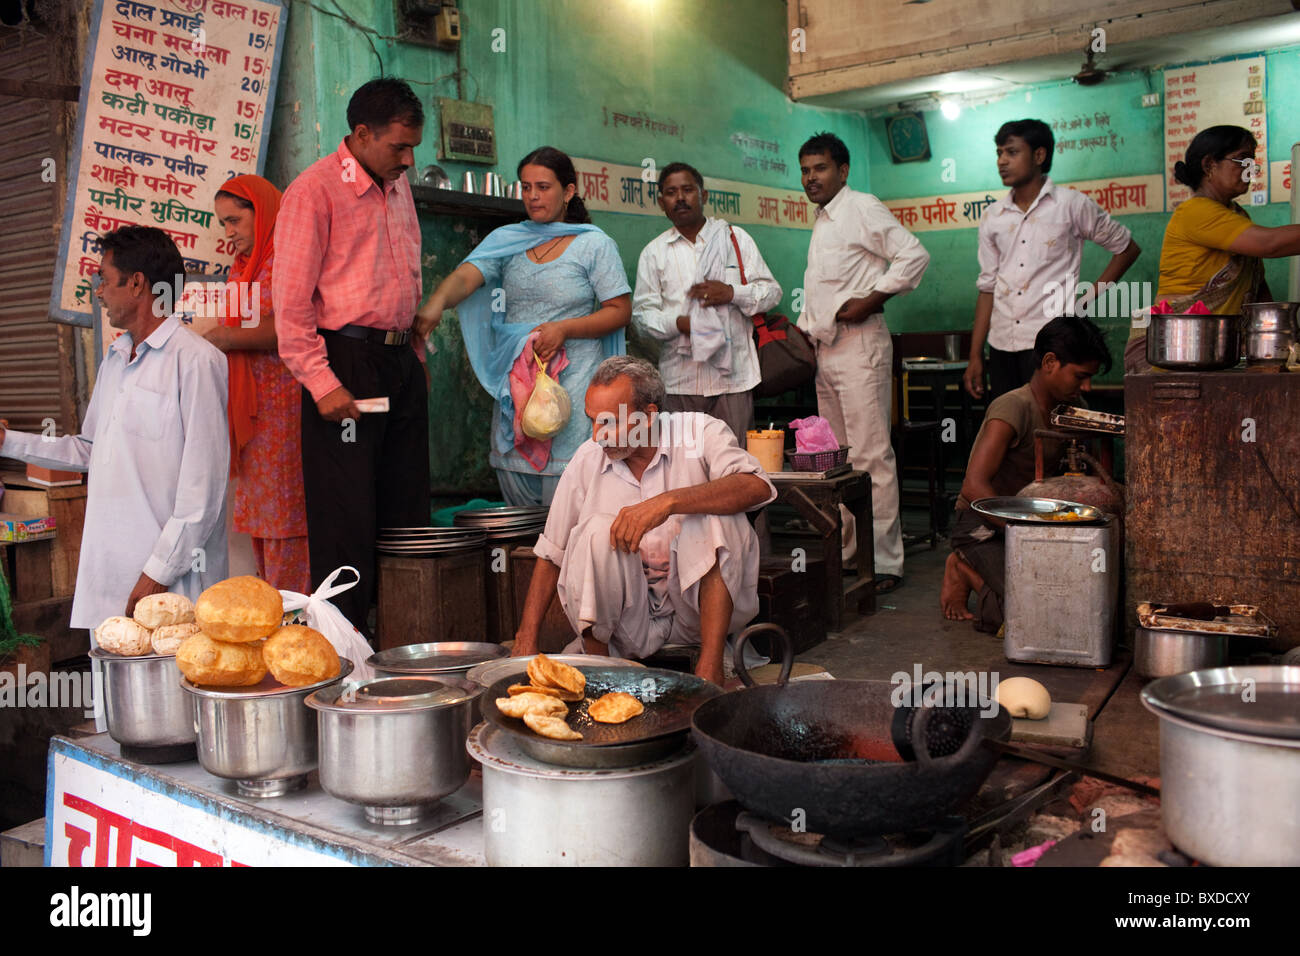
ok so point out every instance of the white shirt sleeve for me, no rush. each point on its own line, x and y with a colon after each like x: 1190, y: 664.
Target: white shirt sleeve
x: 885, y: 236
x: 1093, y: 222
x: 723, y: 456
x: 566, y: 505
x: 761, y: 291
x: 71, y: 452
x: 648, y: 312
x: 205, y: 463
x: 989, y: 257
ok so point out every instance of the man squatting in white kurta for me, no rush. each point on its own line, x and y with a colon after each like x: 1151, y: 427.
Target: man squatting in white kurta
x: 647, y: 542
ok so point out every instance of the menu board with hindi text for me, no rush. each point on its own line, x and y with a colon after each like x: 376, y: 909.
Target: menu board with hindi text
x: 176, y: 98
x: 1216, y: 94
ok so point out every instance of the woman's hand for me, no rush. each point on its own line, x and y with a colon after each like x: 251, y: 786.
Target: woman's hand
x: 429, y: 316
x: 550, y: 337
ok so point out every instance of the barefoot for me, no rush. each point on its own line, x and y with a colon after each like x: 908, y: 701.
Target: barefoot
x: 955, y: 591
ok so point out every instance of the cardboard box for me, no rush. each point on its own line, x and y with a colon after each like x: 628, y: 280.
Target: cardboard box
x: 51, y: 478
x: 15, y: 528
x: 29, y: 504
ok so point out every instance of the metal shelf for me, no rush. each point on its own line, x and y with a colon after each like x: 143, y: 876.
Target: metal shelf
x: 456, y: 203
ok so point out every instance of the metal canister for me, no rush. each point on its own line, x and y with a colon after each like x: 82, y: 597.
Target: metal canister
x: 537, y: 814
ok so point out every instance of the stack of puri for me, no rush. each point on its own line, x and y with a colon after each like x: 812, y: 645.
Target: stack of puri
x: 240, y: 636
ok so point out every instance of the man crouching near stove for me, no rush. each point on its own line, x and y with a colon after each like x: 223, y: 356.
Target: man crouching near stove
x: 1068, y: 351
x: 647, y: 542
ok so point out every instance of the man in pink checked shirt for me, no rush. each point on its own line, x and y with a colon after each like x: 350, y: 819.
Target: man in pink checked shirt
x: 346, y: 284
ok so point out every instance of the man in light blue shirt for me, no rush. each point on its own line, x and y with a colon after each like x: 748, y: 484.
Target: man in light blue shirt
x: 155, y: 441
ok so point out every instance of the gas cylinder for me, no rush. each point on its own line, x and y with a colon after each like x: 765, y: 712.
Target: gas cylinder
x: 1076, y: 484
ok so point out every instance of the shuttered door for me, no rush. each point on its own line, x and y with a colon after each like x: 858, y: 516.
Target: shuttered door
x: 29, y: 341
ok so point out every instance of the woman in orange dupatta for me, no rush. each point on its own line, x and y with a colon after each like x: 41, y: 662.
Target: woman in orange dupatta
x: 265, y: 400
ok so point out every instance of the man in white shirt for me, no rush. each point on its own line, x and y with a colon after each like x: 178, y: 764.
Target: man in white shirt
x: 692, y: 270
x: 646, y: 542
x: 1030, y: 247
x: 155, y: 441
x: 858, y: 258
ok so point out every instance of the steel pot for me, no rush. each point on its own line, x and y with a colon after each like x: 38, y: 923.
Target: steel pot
x: 1270, y: 332
x: 1230, y: 768
x: 1159, y: 653
x: 394, y: 745
x: 536, y: 814
x: 1194, y: 343
x: 262, y: 737
x: 146, y: 708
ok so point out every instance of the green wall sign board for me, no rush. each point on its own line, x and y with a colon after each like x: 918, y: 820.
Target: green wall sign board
x: 467, y: 131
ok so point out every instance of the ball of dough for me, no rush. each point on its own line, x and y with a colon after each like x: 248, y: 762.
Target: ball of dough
x: 220, y: 664
x: 298, y: 656
x: 1024, y: 697
x: 164, y: 610
x: 239, y: 610
x: 167, y: 639
x: 122, y: 635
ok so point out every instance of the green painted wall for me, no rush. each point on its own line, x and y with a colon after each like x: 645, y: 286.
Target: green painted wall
x: 946, y: 296
x: 714, y: 68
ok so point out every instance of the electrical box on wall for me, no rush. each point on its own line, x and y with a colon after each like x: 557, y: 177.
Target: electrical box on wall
x: 428, y: 23
x: 468, y: 133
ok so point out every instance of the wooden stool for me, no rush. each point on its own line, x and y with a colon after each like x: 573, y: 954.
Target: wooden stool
x: 818, y: 502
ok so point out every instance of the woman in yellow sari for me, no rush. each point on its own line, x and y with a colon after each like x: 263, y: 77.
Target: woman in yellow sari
x: 1212, y: 252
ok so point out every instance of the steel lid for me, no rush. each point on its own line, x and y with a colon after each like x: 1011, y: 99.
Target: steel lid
x: 1262, y: 701
x: 394, y: 695
x: 444, y: 657
x: 1039, y: 510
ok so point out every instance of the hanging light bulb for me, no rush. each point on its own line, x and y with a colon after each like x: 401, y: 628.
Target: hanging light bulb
x: 950, y: 109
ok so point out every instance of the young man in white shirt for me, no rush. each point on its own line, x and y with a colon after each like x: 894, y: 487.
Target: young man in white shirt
x: 646, y: 542
x: 691, y: 270
x: 154, y: 440
x: 858, y: 258
x: 1030, y: 247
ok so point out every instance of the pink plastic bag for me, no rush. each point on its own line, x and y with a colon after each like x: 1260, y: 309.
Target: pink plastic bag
x: 813, y: 434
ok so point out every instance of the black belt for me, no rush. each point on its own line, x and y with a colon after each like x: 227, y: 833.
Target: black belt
x: 374, y: 336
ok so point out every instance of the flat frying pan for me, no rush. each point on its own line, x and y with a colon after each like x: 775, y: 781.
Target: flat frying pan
x: 670, y: 699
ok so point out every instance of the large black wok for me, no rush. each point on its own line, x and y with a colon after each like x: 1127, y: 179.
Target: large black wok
x: 827, y: 752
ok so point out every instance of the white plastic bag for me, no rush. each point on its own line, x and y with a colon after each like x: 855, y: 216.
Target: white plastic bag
x: 548, y: 408
x: 319, y: 613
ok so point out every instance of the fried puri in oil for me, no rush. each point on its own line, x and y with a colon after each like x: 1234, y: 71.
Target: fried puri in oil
x: 521, y: 705
x: 553, y: 727
x: 615, y: 708
x: 545, y: 672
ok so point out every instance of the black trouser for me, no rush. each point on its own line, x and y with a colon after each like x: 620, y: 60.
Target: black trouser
x: 368, y: 475
x: 1008, y: 370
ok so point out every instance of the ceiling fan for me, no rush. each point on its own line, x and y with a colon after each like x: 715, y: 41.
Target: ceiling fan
x: 1090, y: 74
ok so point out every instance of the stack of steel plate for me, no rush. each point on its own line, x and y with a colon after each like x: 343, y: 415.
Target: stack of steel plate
x: 505, y: 524
x: 428, y: 542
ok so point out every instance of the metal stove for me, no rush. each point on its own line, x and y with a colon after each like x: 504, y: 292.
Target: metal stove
x: 725, y: 834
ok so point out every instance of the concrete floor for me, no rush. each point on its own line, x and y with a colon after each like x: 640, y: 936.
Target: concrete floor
x: 908, y: 629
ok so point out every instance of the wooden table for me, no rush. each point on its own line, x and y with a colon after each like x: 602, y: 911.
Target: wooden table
x: 817, y: 500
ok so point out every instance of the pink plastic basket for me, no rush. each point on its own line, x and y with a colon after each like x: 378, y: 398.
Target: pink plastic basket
x: 818, y: 460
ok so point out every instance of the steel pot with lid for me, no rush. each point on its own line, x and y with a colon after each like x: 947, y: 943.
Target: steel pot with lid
x: 1194, y: 343
x: 395, y: 745
x: 148, y: 714
x: 1270, y: 331
x: 1230, y: 763
x: 263, y: 737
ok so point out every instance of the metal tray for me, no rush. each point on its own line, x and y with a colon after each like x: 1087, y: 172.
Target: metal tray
x: 657, y: 731
x: 1214, y: 698
x: 1243, y: 620
x: 1085, y: 419
x: 442, y: 657
x: 1040, y: 510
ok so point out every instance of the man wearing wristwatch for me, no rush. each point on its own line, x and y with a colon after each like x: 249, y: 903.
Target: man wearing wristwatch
x: 346, y: 285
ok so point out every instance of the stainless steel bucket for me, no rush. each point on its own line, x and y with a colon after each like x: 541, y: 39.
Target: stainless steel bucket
x: 1165, y: 653
x: 144, y: 703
